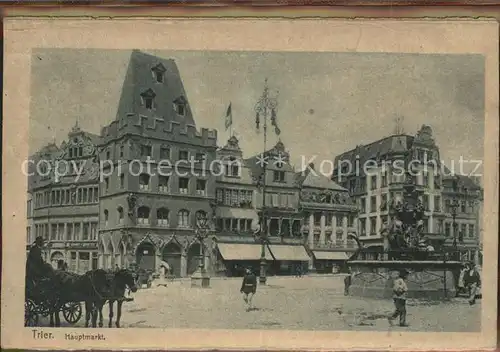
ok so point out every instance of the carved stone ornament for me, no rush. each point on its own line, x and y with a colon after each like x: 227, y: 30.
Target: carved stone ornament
x: 336, y: 198
x: 132, y: 203
x: 424, y: 135
x: 73, y: 194
x: 93, y: 171
x: 233, y: 143
x: 88, y: 149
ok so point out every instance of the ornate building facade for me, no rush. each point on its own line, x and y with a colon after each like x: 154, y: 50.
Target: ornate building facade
x: 151, y: 171
x: 374, y: 174
x: 329, y: 216
x: 63, y: 206
x: 462, y: 224
x: 156, y: 177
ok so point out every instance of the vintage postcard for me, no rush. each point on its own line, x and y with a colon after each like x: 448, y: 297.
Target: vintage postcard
x: 250, y: 184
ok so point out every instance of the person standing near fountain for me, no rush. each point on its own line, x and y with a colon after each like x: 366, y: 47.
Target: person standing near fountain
x: 400, y: 290
x: 472, y: 281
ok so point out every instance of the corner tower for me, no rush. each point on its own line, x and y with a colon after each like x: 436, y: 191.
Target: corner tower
x: 155, y: 172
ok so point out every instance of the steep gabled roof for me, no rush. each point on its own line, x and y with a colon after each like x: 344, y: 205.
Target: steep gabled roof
x: 464, y: 181
x: 254, y: 164
x: 312, y: 179
x: 384, y: 146
x: 140, y: 80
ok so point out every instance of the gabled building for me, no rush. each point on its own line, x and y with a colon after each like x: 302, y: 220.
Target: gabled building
x: 329, y: 216
x: 155, y: 177
x: 239, y: 210
x: 233, y: 244
x: 63, y: 205
x: 235, y: 193
x: 374, y: 175
x: 466, y: 195
x: 281, y: 202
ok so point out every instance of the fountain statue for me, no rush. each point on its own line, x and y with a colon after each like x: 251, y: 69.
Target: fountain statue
x: 405, y: 246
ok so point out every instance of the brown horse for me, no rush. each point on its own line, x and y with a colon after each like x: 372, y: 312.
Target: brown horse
x: 119, y: 282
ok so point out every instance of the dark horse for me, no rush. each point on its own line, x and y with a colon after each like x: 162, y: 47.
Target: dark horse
x: 62, y: 287
x: 118, y: 282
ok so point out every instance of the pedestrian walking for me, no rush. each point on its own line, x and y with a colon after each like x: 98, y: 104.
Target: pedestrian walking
x: 461, y: 284
x: 400, y: 291
x: 347, y: 282
x: 472, y: 281
x: 248, y: 288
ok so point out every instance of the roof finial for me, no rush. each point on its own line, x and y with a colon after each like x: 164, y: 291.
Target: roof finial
x: 76, y: 127
x: 398, y: 127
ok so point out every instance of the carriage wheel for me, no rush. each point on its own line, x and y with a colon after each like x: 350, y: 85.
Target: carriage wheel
x: 30, y: 314
x: 44, y: 309
x: 72, y: 312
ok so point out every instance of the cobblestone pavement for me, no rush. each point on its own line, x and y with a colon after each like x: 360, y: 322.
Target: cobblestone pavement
x: 307, y: 303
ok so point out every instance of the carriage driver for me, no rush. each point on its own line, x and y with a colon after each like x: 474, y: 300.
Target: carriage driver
x: 35, y: 265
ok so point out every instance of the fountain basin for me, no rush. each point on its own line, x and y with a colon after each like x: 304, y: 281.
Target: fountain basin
x: 433, y: 280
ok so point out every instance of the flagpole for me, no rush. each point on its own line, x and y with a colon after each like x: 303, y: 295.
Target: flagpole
x: 264, y: 229
x: 231, y: 125
x: 264, y: 107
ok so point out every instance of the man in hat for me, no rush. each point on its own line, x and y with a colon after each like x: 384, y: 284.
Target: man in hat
x: 399, y: 296
x: 472, y: 281
x: 35, y: 265
x: 248, y: 288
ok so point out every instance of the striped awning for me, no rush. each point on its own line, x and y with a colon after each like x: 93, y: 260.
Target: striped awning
x: 242, y: 251
x: 322, y: 255
x: 289, y: 253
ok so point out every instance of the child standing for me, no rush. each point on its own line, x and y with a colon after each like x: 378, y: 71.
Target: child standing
x: 399, y: 295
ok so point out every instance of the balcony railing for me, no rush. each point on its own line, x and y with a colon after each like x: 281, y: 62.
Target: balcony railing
x: 328, y: 228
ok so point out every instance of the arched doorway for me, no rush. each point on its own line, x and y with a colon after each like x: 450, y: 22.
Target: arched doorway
x: 193, y: 258
x: 55, y: 257
x: 101, y: 260
x: 120, y: 257
x: 108, y: 258
x: 172, y: 255
x: 145, y: 256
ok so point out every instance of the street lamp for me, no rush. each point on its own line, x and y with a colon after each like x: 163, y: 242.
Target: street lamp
x: 200, y: 277
x: 454, y: 205
x: 262, y: 237
x: 265, y: 109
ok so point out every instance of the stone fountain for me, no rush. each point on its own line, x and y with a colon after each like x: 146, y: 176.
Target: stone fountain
x: 433, y: 273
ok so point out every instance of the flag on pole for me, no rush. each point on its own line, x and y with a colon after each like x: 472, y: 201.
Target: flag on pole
x: 229, y: 117
x: 274, y: 123
x: 257, y: 120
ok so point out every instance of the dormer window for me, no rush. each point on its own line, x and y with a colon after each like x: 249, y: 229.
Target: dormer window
x: 158, y: 73
x: 148, y: 98
x: 159, y: 77
x: 181, y: 109
x: 180, y: 105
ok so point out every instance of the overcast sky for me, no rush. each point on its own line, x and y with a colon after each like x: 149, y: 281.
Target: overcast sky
x: 328, y: 102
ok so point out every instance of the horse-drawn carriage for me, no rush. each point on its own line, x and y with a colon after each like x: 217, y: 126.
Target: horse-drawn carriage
x: 41, y: 300
x: 61, y: 291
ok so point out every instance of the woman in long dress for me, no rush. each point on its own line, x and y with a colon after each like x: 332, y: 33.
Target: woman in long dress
x: 163, y: 275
